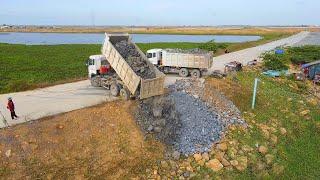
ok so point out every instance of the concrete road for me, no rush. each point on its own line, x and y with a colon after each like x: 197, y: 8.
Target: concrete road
x: 246, y: 55
x: 32, y: 105
x: 313, y: 38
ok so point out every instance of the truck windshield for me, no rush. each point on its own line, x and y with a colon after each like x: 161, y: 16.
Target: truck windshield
x: 149, y: 55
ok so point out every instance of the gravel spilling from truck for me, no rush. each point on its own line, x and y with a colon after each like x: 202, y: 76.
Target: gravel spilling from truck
x: 183, y: 120
x: 138, y: 64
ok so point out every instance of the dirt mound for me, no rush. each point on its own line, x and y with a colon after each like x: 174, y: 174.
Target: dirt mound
x: 139, y: 65
x: 92, y: 143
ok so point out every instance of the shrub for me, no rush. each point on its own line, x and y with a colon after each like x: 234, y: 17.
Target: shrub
x: 304, y: 54
x: 275, y: 62
x: 210, y: 46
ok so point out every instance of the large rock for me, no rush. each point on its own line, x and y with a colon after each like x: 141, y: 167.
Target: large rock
x: 157, y: 111
x: 274, y: 139
x: 215, y: 165
x: 219, y: 155
x: 242, y: 163
x: 277, y: 169
x: 205, y: 156
x: 283, y: 131
x: 176, y: 155
x: 225, y: 162
x: 234, y: 163
x: 222, y: 146
x: 269, y: 158
x: 263, y: 149
x: 8, y: 153
x: 305, y: 112
x: 197, y: 157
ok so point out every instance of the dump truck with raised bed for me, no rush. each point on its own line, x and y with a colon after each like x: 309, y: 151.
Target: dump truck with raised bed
x: 125, y: 70
x: 184, y: 62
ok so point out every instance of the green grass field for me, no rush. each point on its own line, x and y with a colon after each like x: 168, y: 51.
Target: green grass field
x: 25, y: 67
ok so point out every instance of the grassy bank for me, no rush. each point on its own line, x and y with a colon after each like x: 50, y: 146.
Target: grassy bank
x: 286, y: 121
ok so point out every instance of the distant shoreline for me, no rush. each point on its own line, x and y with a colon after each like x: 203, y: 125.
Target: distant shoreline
x: 162, y: 30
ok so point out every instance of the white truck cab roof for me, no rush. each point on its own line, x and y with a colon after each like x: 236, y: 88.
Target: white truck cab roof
x: 154, y: 50
x: 98, y: 57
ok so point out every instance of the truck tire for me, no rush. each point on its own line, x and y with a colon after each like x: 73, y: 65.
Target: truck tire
x: 184, y: 72
x: 196, y: 73
x: 114, y: 90
x: 95, y: 81
x: 125, y: 94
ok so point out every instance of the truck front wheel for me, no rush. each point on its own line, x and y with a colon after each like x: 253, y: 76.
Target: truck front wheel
x: 114, y: 89
x: 183, y: 72
x: 95, y: 81
x: 125, y: 94
x: 195, y: 73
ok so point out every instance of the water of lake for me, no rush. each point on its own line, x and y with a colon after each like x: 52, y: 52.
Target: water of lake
x: 83, y: 38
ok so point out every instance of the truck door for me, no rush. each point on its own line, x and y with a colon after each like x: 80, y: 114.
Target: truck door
x: 92, y: 68
x: 152, y: 57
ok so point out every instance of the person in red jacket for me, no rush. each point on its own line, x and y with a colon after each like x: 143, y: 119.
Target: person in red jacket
x: 11, y: 108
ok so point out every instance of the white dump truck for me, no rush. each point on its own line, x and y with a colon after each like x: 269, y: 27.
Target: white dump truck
x: 184, y: 63
x: 112, y: 71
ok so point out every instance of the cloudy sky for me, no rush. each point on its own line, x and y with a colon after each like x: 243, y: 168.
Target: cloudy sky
x: 160, y: 12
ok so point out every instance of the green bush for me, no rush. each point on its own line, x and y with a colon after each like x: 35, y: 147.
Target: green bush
x: 275, y: 61
x: 210, y: 46
x: 305, y: 54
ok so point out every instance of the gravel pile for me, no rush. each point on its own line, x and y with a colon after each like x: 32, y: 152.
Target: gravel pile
x: 200, y: 127
x: 187, y: 51
x: 219, y: 103
x: 137, y: 63
x: 184, y: 120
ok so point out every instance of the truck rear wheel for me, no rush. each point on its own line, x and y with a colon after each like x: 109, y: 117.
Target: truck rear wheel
x: 95, y: 81
x: 183, y: 72
x: 114, y: 89
x: 125, y: 94
x: 195, y: 73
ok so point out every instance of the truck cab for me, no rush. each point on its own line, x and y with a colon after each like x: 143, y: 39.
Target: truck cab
x: 155, y: 56
x: 94, y: 64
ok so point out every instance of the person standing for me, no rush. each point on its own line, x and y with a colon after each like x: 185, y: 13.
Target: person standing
x: 11, y: 108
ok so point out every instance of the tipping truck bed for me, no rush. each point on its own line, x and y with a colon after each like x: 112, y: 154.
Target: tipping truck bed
x: 139, y: 87
x: 187, y: 60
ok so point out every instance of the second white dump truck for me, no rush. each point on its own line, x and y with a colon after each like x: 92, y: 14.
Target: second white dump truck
x: 183, y: 62
x: 124, y: 69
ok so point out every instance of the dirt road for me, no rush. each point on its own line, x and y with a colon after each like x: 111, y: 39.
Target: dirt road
x: 31, y: 105
x: 246, y: 55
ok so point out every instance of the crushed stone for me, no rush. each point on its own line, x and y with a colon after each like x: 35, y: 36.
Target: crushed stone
x: 184, y: 120
x: 138, y: 64
x: 188, y: 51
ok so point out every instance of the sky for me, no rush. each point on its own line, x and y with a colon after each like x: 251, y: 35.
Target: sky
x: 160, y: 12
